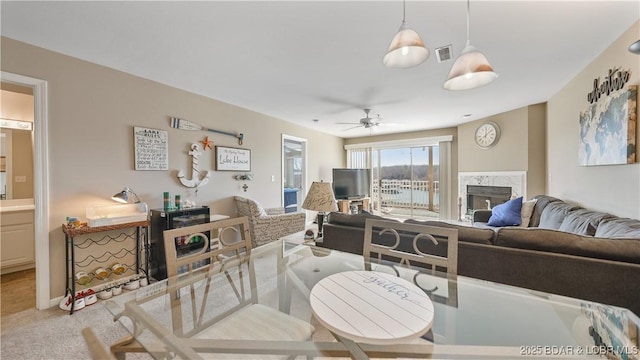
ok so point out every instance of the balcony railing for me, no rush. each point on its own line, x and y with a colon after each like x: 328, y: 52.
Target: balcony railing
x: 398, y: 196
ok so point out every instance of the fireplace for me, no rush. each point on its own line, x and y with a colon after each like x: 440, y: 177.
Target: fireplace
x: 514, y: 180
x: 483, y: 197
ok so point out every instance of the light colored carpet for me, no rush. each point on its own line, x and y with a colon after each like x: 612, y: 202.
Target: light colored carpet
x: 54, y: 334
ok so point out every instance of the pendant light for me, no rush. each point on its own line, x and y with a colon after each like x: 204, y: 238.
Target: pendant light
x: 406, y: 49
x: 471, y: 69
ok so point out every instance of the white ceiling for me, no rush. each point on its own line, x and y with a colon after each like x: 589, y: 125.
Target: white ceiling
x: 305, y: 60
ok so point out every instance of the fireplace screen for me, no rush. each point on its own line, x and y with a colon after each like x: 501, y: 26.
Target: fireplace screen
x: 486, y: 197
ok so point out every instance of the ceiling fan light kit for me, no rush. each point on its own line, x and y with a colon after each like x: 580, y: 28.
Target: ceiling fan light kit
x: 407, y: 48
x: 471, y: 69
x: 366, y: 122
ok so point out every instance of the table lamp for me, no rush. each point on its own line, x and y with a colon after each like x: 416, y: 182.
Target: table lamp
x: 320, y: 198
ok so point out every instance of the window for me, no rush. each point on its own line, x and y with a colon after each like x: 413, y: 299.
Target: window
x: 411, y: 178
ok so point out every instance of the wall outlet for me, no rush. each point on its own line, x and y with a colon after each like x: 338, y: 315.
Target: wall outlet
x: 21, y: 179
x: 273, y: 178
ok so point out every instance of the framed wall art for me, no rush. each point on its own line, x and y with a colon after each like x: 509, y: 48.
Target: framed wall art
x: 608, y: 127
x: 151, y: 149
x: 233, y: 159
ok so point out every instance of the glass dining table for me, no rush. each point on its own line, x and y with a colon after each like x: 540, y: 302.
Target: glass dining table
x: 471, y: 318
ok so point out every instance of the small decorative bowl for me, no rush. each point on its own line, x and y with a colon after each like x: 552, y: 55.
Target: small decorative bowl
x: 117, y: 290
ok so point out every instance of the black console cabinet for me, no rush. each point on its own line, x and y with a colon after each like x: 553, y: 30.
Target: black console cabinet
x: 162, y: 220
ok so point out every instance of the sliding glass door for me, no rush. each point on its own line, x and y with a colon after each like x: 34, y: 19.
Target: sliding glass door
x: 406, y: 181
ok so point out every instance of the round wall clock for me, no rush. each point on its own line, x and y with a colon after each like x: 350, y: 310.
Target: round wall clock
x: 487, y: 135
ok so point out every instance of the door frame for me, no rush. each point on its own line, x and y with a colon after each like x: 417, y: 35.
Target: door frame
x: 303, y: 142
x: 40, y: 183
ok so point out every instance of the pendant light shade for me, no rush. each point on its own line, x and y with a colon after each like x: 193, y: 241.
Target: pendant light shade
x: 406, y: 49
x: 635, y: 48
x: 471, y: 69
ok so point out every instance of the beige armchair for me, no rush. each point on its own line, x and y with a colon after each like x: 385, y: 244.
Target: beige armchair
x: 267, y: 225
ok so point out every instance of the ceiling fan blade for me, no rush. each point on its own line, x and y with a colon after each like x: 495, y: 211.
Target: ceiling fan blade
x: 349, y: 123
x: 351, y: 128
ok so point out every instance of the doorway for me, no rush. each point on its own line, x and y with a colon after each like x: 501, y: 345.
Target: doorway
x: 294, y: 172
x: 40, y: 201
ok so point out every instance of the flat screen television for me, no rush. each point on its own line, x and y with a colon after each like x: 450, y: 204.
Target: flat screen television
x: 351, y: 183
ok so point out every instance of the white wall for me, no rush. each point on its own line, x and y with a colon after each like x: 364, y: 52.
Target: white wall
x: 614, y: 188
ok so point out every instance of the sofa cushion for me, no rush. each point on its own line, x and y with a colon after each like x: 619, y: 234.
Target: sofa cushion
x: 619, y: 228
x: 465, y: 233
x: 526, y: 212
x: 626, y: 250
x: 357, y: 220
x: 582, y: 221
x: 541, y: 202
x: 506, y: 214
x: 554, y: 213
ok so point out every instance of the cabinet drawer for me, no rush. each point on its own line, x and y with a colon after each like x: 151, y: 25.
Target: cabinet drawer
x: 17, y: 217
x: 17, y: 244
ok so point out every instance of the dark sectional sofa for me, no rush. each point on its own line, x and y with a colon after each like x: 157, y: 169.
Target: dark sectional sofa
x: 566, y: 250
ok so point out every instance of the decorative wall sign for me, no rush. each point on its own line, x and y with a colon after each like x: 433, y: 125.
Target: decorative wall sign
x: 615, y: 81
x: 151, y: 149
x: 233, y: 159
x: 195, y: 180
x: 608, y: 127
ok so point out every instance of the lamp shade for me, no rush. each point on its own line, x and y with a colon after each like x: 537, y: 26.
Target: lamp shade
x: 406, y: 49
x: 470, y: 70
x: 123, y: 196
x: 635, y: 48
x: 320, y: 198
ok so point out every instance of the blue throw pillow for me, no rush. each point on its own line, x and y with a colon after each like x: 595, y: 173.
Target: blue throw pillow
x: 507, y: 214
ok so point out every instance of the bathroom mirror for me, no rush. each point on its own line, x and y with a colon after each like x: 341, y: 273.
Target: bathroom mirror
x: 16, y: 143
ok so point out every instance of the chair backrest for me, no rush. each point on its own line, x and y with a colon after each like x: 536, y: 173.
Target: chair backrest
x: 218, y: 240
x: 423, y: 237
x: 225, y: 244
x: 249, y: 208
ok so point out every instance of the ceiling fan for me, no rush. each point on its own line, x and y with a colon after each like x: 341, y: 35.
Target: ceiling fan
x: 366, y: 122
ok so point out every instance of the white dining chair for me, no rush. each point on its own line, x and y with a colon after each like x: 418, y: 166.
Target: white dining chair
x: 421, y: 247
x: 418, y: 246
x: 247, y: 319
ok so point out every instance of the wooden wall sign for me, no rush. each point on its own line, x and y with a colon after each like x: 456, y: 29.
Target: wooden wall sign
x: 151, y: 149
x: 233, y: 159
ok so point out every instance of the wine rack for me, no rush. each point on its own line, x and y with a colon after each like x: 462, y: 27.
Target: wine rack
x: 100, y: 247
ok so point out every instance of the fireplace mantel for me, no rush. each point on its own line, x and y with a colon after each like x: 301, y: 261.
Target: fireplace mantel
x: 517, y: 180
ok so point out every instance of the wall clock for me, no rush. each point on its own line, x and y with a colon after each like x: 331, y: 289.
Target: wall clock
x: 487, y: 135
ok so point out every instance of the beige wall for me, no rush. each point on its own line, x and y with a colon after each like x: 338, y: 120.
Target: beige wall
x: 92, y: 112
x: 520, y: 148
x: 615, y: 188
